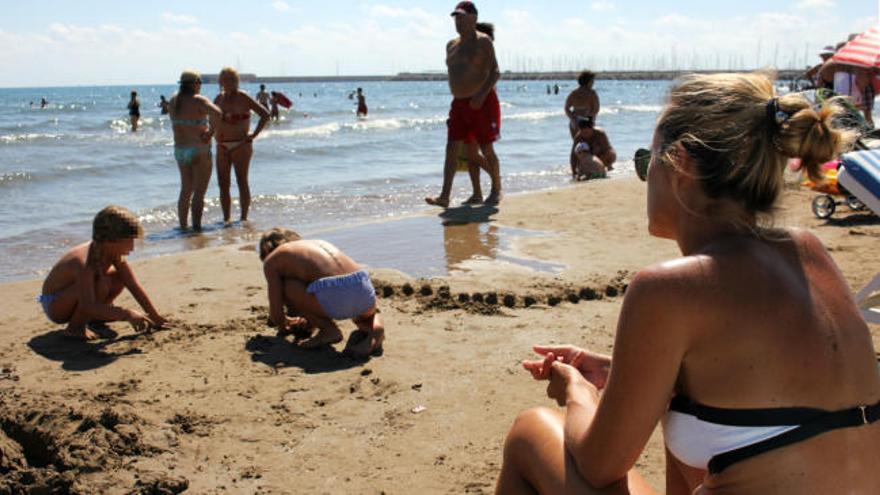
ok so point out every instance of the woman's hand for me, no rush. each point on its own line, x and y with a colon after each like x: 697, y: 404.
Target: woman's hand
x: 594, y: 367
x: 566, y: 380
x: 206, y: 136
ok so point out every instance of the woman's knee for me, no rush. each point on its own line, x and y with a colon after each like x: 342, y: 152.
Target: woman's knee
x: 530, y: 426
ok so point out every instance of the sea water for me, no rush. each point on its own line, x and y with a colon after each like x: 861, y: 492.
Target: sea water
x: 319, y: 168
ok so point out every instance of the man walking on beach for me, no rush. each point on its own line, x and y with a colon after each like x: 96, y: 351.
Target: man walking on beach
x: 475, y: 114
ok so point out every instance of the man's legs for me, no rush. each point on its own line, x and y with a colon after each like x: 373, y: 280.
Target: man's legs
x: 475, y: 163
x: 493, y: 168
x: 453, y: 148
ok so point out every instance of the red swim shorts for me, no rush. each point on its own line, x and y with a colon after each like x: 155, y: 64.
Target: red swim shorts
x: 482, y: 125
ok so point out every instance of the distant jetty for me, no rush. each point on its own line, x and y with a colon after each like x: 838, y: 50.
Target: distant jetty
x: 647, y: 75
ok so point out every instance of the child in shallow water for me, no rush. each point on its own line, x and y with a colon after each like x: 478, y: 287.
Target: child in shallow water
x: 318, y: 283
x: 81, y: 287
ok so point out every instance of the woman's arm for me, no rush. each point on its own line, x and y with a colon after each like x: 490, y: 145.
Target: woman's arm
x: 568, y: 105
x: 649, y: 347
x: 215, y: 116
x: 259, y: 110
x: 594, y: 104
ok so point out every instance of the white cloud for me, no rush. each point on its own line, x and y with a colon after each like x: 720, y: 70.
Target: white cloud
x: 516, y: 16
x: 382, y: 39
x: 678, y: 21
x: 816, y: 4
x: 179, y: 18
x: 602, y: 6
x: 281, y: 6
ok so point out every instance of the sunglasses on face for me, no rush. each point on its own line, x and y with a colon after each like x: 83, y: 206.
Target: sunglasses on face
x: 641, y: 160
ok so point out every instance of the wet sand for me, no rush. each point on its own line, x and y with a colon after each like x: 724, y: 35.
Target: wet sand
x: 217, y: 404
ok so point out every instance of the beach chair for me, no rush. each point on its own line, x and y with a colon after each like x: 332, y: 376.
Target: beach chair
x: 860, y: 174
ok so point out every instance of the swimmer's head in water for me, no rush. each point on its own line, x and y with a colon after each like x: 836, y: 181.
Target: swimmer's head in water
x: 115, y: 223
x: 271, y: 239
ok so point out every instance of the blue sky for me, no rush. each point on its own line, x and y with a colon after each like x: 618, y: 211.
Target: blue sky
x: 60, y: 42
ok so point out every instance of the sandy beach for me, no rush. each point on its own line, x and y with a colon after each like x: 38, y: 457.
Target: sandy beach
x: 216, y: 403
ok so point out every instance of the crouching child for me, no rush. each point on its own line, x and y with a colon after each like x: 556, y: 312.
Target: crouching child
x: 311, y: 283
x: 81, y: 287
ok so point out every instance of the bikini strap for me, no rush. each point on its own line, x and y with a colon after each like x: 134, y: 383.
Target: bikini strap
x: 831, y: 420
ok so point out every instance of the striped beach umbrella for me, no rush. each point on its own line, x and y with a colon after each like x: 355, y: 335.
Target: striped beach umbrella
x: 862, y: 51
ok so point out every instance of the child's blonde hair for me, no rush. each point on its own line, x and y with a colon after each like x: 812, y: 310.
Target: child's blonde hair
x: 741, y: 136
x: 271, y: 239
x: 113, y: 223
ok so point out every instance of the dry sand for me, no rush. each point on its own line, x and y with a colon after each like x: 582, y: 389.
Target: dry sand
x: 217, y: 404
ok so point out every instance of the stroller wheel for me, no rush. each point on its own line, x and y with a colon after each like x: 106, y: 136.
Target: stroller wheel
x: 854, y: 203
x: 823, y: 206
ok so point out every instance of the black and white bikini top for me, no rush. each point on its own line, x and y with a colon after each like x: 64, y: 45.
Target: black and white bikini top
x: 713, y: 438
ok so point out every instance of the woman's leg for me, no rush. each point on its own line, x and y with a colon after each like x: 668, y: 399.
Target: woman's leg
x: 224, y: 169
x: 186, y: 190
x: 201, y: 176
x: 241, y: 160
x: 536, y: 462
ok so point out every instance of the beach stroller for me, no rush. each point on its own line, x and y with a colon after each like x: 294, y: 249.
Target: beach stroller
x: 826, y: 204
x: 860, y: 174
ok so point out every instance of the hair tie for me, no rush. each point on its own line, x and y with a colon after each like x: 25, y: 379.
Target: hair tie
x: 775, y: 114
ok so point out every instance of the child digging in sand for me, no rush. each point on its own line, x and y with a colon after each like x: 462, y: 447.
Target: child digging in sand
x: 318, y: 283
x: 81, y: 287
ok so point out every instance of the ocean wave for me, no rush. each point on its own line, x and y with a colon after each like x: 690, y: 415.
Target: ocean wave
x: 27, y: 137
x: 329, y: 129
x: 13, y: 178
x: 541, y: 115
x: 615, y: 109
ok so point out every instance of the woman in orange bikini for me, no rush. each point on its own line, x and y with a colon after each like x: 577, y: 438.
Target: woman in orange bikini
x: 234, y: 143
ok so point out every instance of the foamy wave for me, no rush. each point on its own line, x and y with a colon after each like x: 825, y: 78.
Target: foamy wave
x: 14, y: 178
x: 642, y: 108
x: 314, y: 131
x: 326, y: 130
x: 550, y: 114
x: 31, y: 136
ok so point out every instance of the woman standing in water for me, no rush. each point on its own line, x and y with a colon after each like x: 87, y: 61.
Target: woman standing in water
x: 190, y: 112
x: 134, y: 111
x: 234, y: 143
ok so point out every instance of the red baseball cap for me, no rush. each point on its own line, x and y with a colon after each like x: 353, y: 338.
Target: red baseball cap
x: 464, y: 8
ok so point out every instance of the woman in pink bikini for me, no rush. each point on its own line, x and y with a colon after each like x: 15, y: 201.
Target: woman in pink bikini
x: 234, y: 143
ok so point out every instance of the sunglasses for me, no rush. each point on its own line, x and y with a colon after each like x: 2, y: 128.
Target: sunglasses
x: 642, y: 159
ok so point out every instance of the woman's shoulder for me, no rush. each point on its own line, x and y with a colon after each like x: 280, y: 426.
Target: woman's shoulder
x: 672, y: 279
